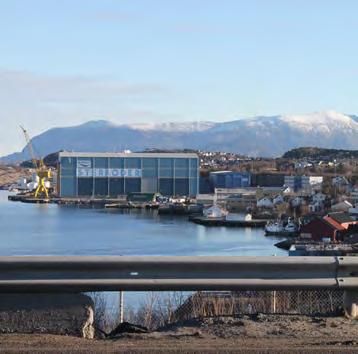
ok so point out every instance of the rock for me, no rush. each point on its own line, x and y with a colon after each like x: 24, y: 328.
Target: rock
x: 127, y: 327
x: 350, y: 300
x: 239, y: 323
x: 62, y: 314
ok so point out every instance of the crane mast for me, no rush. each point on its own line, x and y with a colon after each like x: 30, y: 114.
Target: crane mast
x: 43, y: 173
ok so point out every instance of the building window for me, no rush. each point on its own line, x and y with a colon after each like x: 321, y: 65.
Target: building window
x: 68, y: 166
x: 182, y: 186
x: 181, y: 163
x: 101, y: 162
x: 193, y: 187
x: 149, y: 185
x: 194, y: 163
x: 116, y: 187
x: 132, y: 185
x: 101, y: 186
x: 68, y: 186
x: 181, y: 168
x: 166, y: 186
x: 85, y: 187
x: 133, y: 162
x: 116, y: 162
x: 150, y: 163
x: 150, y: 167
x: 68, y: 162
x: 166, y: 168
x: 181, y: 172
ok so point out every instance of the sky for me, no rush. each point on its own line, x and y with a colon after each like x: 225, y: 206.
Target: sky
x: 64, y: 62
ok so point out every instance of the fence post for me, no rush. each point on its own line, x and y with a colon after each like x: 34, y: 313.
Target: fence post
x: 350, y: 303
x: 274, y: 301
x: 121, y: 306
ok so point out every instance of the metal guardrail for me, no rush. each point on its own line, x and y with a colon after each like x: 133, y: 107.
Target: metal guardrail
x: 137, y: 273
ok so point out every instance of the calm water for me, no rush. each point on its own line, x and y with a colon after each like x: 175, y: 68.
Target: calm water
x: 39, y: 229
x: 31, y: 229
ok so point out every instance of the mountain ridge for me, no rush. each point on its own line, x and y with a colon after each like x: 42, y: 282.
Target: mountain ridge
x: 258, y: 136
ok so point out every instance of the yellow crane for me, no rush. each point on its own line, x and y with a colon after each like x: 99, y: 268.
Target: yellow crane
x: 43, y: 173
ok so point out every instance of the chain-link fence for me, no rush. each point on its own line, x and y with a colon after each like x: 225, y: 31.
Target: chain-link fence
x: 305, y: 302
x: 156, y: 309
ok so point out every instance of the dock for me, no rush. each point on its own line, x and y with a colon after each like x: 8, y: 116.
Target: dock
x: 180, y: 209
x: 202, y: 220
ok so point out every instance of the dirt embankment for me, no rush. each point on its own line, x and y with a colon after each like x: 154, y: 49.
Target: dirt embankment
x: 11, y: 174
x: 256, y: 334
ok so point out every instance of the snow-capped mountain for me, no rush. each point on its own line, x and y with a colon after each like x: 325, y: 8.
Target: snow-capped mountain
x: 173, y: 126
x: 258, y: 136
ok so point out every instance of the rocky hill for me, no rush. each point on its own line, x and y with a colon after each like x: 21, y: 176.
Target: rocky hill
x: 314, y: 152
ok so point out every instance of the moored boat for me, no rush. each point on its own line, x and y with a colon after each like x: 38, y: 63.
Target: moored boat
x: 278, y: 228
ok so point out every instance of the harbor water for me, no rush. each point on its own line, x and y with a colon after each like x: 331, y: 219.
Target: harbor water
x: 50, y: 229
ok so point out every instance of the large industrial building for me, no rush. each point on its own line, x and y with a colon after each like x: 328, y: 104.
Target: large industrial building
x: 117, y: 174
x: 297, y: 182
x: 230, y: 179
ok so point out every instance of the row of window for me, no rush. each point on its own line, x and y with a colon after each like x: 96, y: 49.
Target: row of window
x: 128, y: 162
x: 113, y: 187
x: 149, y: 167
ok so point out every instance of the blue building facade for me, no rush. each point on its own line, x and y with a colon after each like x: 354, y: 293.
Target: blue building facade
x: 116, y: 174
x: 230, y: 179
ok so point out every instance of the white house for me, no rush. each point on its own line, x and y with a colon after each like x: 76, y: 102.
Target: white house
x: 287, y: 190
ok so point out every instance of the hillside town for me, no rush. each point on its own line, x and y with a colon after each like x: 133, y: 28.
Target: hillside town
x: 313, y: 199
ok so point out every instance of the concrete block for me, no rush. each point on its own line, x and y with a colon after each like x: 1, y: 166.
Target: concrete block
x: 63, y: 314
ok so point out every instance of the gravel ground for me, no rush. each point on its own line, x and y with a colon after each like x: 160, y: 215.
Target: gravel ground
x: 259, y: 334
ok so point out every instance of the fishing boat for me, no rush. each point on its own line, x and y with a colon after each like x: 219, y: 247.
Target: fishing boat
x: 274, y: 228
x: 278, y: 228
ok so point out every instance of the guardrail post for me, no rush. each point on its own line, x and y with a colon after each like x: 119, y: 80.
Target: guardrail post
x: 350, y: 303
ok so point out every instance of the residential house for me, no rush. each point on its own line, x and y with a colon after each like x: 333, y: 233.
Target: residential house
x: 344, y: 219
x: 331, y: 227
x: 319, y: 197
x: 317, y: 202
x: 319, y: 229
x: 296, y: 202
x: 278, y: 199
x: 315, y: 207
x: 341, y: 184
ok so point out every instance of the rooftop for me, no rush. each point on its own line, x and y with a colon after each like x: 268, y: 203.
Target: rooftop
x: 341, y: 217
x: 129, y: 154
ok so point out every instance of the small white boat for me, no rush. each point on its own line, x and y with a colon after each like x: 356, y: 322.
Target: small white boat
x: 273, y: 228
x: 215, y: 212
